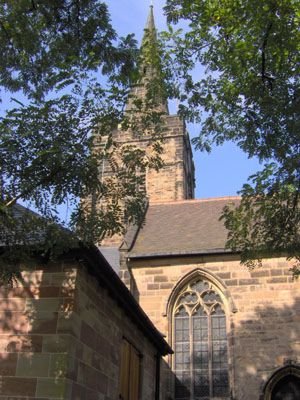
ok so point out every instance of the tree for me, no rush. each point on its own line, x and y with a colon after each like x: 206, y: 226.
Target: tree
x: 67, y: 74
x: 249, y: 93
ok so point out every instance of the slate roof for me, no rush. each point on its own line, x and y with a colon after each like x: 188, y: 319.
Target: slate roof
x: 16, y: 230
x: 112, y: 256
x: 20, y: 213
x: 183, y: 227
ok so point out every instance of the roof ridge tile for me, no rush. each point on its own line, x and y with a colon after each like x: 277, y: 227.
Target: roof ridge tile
x: 190, y: 201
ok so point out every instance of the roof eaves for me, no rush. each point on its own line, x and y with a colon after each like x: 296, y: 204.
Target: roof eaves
x: 108, y: 278
x: 181, y: 253
x: 101, y: 269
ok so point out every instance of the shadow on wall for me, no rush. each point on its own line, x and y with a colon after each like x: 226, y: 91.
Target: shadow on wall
x: 36, y: 350
x: 267, y: 342
x: 32, y: 356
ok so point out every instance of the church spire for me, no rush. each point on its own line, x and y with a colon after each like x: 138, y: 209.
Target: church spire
x: 150, y: 69
x: 150, y: 26
x: 150, y: 63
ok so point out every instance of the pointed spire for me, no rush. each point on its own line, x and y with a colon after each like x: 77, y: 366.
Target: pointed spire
x: 150, y: 72
x: 150, y: 26
x: 150, y: 58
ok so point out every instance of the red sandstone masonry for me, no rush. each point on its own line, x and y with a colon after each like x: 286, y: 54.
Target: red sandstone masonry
x: 103, y: 325
x: 30, y: 313
x: 62, y: 340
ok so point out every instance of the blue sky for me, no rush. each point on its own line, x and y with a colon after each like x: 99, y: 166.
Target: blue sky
x: 226, y: 168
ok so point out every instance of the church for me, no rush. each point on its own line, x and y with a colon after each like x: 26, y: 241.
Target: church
x: 163, y: 312
x: 235, y: 332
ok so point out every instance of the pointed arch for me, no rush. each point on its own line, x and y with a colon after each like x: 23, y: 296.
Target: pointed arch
x: 284, y: 380
x: 198, y: 308
x: 201, y: 273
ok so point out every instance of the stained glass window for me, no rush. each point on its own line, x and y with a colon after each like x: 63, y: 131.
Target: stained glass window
x: 200, y: 344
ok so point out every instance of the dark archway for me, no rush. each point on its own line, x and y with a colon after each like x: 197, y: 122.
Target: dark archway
x: 288, y: 388
x: 284, y: 384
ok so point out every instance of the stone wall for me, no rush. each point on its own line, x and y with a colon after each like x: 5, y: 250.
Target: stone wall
x: 100, y: 328
x: 175, y: 180
x: 263, y: 310
x: 60, y: 338
x: 34, y: 340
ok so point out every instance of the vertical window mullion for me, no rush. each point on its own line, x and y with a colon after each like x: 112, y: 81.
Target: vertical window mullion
x: 210, y: 355
x: 192, y: 372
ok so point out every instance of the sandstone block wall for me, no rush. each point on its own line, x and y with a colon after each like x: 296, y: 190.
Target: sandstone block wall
x: 175, y: 180
x: 60, y: 338
x: 263, y: 318
x: 100, y: 328
x: 34, y: 341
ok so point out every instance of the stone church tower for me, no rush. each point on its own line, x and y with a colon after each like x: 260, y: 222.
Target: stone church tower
x: 175, y: 180
x: 235, y: 332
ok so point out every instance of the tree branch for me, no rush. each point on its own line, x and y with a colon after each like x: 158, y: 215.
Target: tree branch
x: 264, y: 75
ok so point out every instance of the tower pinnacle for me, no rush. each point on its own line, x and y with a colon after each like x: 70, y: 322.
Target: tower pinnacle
x: 150, y: 69
x: 149, y: 53
x: 150, y: 83
x: 150, y: 25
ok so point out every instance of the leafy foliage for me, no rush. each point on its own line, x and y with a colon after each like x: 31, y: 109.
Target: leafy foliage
x: 248, y: 93
x: 68, y: 74
x: 45, y: 44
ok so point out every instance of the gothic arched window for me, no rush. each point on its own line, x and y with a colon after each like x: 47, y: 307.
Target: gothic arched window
x: 200, y: 343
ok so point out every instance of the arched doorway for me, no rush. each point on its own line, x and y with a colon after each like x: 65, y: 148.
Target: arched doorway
x: 284, y: 384
x: 288, y: 388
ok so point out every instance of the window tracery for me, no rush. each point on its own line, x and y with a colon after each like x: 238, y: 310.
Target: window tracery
x: 200, y: 343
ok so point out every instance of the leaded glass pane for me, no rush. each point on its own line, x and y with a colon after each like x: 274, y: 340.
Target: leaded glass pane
x: 182, y: 346
x: 200, y: 312
x: 219, y: 355
x: 182, y: 328
x: 200, y: 355
x: 182, y: 385
x: 220, y: 383
x: 217, y: 310
x: 189, y: 298
x: 200, y: 328
x: 211, y: 297
x: 199, y: 286
x: 207, y: 340
x: 182, y: 356
x: 182, y: 360
x: 181, y: 312
x: 201, y: 384
x: 218, y: 326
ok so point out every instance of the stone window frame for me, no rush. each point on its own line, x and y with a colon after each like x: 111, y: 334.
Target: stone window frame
x: 229, y: 309
x: 291, y: 369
